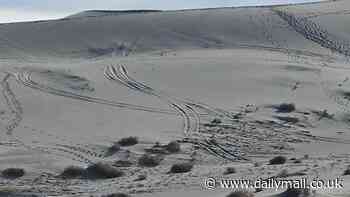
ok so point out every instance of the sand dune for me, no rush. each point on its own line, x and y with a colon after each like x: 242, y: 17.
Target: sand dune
x: 234, y: 87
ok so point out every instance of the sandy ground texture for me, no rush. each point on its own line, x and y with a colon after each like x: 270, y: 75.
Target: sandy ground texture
x: 232, y: 87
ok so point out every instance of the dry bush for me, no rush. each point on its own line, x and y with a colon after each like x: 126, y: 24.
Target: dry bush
x: 230, y: 170
x: 240, y: 194
x: 278, y: 160
x: 72, y: 172
x: 173, y: 147
x: 181, y: 168
x: 102, y: 171
x: 148, y: 160
x: 294, y: 192
x: 346, y: 172
x: 117, y: 195
x: 216, y: 121
x: 128, y: 141
x: 285, y: 108
x: 113, y: 149
x: 13, y: 173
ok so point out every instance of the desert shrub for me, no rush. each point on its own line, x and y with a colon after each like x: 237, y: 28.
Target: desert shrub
x: 128, y: 141
x: 296, y: 192
x: 73, y: 172
x: 230, y: 170
x: 173, y: 147
x: 347, y: 172
x: 278, y: 160
x: 181, y: 168
x: 113, y: 149
x: 240, y: 194
x: 102, y: 171
x: 216, y: 121
x: 117, y: 195
x: 13, y: 173
x: 148, y: 160
x: 285, y: 107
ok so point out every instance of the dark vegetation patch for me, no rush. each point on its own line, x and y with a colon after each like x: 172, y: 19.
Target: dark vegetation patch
x: 102, y: 171
x: 278, y: 160
x: 128, y: 141
x: 285, y: 107
x: 117, y: 195
x: 181, y: 168
x: 170, y: 148
x: 173, y: 147
x: 149, y: 160
x: 94, y: 171
x: 240, y: 194
x: 294, y: 192
x: 346, y: 172
x: 230, y: 170
x: 113, y: 149
x: 13, y: 173
x: 73, y: 172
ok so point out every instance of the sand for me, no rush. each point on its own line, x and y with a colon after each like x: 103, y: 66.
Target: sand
x: 73, y: 87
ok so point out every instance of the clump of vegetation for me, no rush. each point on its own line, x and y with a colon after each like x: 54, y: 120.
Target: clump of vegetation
x: 240, y: 194
x: 72, y: 172
x: 296, y: 192
x: 346, y: 172
x: 13, y: 173
x: 113, y: 149
x: 285, y: 108
x: 173, y: 147
x: 216, y: 121
x: 278, y: 160
x: 117, y: 195
x: 230, y: 170
x: 181, y: 168
x: 148, y: 160
x: 128, y: 141
x: 102, y: 171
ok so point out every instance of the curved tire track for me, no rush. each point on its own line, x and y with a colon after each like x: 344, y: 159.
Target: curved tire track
x: 191, y: 117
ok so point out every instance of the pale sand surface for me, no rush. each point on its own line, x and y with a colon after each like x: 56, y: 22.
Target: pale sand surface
x: 70, y: 88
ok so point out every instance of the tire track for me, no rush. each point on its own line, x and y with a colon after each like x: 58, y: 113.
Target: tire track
x: 13, y: 104
x: 81, y: 154
x: 191, y: 117
x: 24, y: 77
